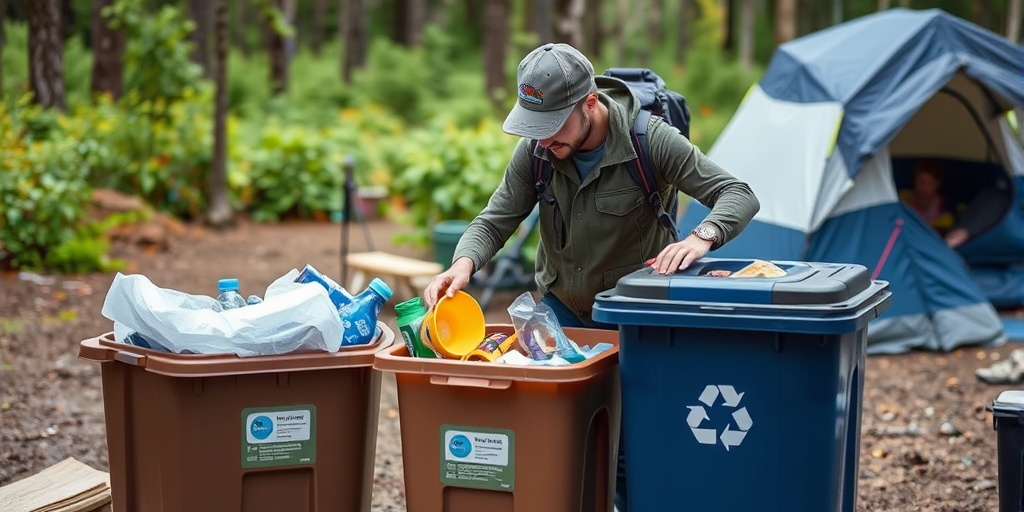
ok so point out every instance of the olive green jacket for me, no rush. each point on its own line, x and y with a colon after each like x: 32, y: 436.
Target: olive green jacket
x: 609, y: 229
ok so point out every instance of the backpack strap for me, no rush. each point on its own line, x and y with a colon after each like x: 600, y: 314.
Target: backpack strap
x: 643, y: 173
x: 542, y: 173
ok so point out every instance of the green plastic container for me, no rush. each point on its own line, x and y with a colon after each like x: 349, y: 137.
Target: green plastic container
x: 409, y: 319
x: 445, y: 237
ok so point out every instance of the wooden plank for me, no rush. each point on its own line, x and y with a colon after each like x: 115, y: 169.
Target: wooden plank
x: 68, y: 486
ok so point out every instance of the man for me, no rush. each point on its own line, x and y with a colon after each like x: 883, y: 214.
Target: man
x: 595, y: 226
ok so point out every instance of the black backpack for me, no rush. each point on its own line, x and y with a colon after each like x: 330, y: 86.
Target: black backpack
x: 655, y: 99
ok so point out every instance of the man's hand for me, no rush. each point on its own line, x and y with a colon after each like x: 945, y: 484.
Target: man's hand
x: 957, y: 237
x: 448, y: 282
x: 681, y: 254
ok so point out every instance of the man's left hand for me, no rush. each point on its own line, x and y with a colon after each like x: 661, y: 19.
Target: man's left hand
x: 681, y: 254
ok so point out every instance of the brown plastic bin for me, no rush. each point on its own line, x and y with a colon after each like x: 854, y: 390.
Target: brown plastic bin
x: 489, y: 437
x: 219, y: 433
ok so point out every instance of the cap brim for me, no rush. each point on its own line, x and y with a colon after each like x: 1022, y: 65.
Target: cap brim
x: 535, y: 125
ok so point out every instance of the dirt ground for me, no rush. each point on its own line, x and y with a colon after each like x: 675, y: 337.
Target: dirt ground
x: 927, y: 438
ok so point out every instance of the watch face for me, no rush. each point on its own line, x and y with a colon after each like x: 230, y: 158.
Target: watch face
x: 705, y: 233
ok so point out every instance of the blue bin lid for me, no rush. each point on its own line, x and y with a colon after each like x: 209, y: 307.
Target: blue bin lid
x: 810, y: 298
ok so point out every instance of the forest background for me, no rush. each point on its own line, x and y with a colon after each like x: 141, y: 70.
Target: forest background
x: 211, y: 109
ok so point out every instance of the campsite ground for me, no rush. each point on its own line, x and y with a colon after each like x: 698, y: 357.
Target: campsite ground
x: 927, y: 438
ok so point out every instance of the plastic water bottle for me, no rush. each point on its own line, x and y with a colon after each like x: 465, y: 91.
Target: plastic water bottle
x: 339, y: 296
x: 409, y: 317
x: 227, y: 294
x: 359, y: 317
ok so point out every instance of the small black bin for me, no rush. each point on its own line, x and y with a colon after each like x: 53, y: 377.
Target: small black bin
x: 1008, y: 421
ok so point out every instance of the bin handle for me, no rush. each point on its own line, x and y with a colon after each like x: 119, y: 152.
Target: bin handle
x: 470, y: 382
x: 130, y: 358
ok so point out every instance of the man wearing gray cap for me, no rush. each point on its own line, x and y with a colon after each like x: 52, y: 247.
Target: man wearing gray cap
x: 594, y: 227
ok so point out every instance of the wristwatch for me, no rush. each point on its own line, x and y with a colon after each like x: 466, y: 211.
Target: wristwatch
x: 707, y: 233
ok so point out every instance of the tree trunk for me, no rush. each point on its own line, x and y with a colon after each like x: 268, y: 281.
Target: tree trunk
x: 496, y: 37
x: 46, y: 53
x: 569, y: 22
x: 240, y: 26
x: 280, y: 48
x: 1013, y: 18
x: 884, y: 4
x: 621, y: 29
x: 3, y: 11
x: 353, y: 35
x: 981, y: 12
x: 594, y: 29
x: 541, y: 20
x: 686, y: 17
x: 655, y: 12
x: 748, y: 10
x: 319, y: 26
x: 729, y: 32
x: 410, y: 16
x: 905, y: 4
x: 108, y: 48
x: 785, y: 21
x: 201, y: 13
x: 218, y: 212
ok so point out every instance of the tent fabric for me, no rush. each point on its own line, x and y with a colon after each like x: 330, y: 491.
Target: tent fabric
x: 882, y: 66
x: 830, y: 131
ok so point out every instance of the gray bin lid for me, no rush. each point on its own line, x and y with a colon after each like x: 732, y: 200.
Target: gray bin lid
x: 819, y: 298
x: 804, y: 284
x: 1009, y: 403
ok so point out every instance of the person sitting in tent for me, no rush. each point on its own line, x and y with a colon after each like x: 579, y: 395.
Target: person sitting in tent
x: 930, y: 204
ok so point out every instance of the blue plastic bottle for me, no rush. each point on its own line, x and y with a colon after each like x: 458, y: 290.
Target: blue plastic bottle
x: 227, y: 294
x: 359, y: 317
x: 339, y: 296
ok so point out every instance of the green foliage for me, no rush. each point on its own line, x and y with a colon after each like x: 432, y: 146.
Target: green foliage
x: 162, y: 159
x: 77, y: 61
x: 157, y: 58
x: 42, y: 188
x: 449, y: 173
x: 294, y: 170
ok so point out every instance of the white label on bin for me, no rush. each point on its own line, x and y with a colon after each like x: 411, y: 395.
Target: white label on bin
x: 734, y: 432
x: 278, y: 436
x: 478, y: 457
x: 277, y: 427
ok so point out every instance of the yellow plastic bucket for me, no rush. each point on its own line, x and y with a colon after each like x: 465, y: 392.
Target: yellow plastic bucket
x: 455, y: 326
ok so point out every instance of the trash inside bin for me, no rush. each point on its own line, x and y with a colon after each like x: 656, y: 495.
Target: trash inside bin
x: 485, y: 436
x: 293, y: 432
x: 1008, y: 421
x: 743, y: 393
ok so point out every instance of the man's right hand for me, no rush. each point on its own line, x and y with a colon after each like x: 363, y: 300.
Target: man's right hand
x: 448, y: 282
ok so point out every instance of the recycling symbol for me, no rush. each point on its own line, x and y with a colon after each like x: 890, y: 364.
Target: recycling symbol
x: 740, y: 416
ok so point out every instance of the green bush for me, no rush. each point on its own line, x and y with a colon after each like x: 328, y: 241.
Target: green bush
x: 449, y: 173
x: 42, y: 187
x: 163, y: 159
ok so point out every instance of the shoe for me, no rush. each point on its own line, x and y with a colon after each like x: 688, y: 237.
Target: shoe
x: 1007, y: 371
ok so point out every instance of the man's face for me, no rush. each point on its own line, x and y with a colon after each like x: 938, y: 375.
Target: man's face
x: 567, y: 141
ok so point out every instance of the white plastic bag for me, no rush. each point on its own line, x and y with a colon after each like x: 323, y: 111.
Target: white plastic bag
x: 292, y: 316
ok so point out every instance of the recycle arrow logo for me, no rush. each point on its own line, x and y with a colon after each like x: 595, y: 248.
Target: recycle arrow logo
x: 698, y: 414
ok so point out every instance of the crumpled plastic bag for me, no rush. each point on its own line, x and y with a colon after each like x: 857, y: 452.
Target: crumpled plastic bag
x: 292, y: 317
x: 538, y: 331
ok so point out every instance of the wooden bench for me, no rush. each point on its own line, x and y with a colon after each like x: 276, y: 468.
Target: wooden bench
x: 409, y: 275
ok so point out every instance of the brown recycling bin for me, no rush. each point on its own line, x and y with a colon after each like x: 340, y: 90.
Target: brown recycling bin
x: 479, y: 436
x: 219, y: 433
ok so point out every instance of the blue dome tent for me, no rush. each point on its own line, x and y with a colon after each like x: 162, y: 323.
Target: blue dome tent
x: 828, y: 137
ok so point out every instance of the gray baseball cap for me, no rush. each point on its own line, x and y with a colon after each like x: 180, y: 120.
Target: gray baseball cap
x: 552, y: 80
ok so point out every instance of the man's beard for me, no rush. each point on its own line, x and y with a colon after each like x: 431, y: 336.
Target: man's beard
x: 584, y: 135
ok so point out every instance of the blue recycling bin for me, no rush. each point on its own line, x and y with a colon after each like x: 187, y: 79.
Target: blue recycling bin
x: 743, y: 393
